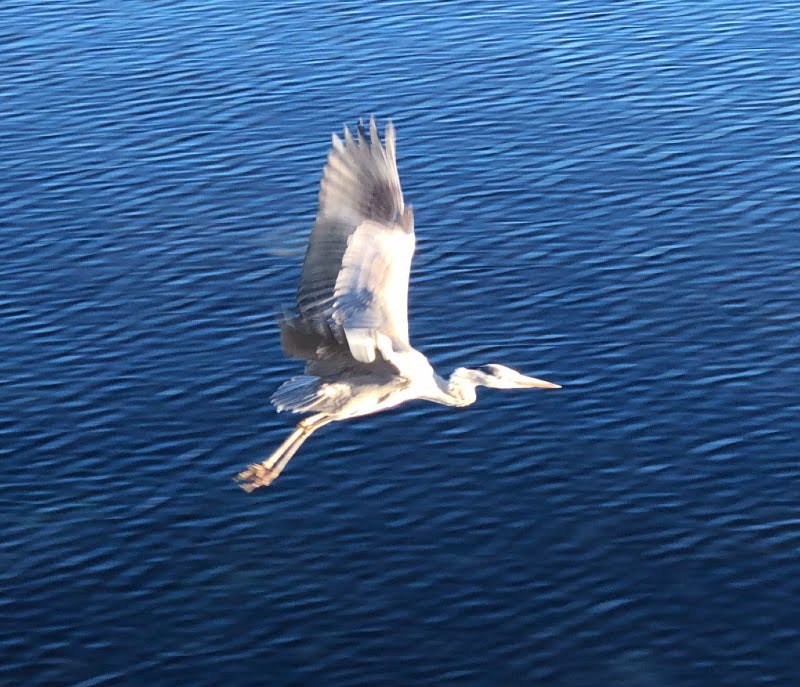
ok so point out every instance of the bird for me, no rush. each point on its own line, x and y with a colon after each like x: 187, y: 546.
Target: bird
x: 350, y: 322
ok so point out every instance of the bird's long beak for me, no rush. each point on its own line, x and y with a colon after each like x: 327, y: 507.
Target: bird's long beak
x: 538, y: 383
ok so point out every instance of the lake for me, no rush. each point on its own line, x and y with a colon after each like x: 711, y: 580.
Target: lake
x: 607, y: 195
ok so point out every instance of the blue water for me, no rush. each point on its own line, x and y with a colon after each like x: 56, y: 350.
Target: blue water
x: 607, y: 195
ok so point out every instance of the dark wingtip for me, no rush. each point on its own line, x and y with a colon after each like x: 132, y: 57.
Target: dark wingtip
x: 296, y: 339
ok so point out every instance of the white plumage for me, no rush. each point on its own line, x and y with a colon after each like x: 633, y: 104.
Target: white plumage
x: 350, y: 324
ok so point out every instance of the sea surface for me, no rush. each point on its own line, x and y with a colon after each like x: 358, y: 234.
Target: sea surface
x: 607, y: 195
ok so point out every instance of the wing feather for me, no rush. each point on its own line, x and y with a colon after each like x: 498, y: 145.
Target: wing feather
x: 371, y: 294
x: 353, y: 292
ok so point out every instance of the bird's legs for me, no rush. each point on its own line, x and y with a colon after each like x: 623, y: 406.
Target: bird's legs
x: 262, y: 474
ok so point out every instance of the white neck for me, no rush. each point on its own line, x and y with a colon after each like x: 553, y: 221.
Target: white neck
x: 459, y: 390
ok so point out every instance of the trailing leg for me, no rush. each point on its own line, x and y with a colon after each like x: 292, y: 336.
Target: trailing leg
x: 262, y: 474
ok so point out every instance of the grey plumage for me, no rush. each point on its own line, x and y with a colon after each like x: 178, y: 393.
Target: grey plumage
x: 350, y: 323
x: 358, y: 259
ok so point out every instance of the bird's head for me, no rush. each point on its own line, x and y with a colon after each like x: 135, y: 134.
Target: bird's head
x: 501, y: 377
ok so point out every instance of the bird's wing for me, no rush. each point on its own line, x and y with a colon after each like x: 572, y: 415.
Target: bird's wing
x: 353, y: 290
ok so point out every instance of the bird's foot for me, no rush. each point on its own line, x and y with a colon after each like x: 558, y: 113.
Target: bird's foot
x: 257, y: 475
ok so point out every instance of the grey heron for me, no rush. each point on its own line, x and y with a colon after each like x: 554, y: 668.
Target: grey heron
x: 350, y: 324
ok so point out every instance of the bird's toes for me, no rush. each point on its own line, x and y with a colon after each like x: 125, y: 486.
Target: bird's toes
x: 255, y: 476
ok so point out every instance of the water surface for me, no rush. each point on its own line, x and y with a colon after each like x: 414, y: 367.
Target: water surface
x: 607, y: 195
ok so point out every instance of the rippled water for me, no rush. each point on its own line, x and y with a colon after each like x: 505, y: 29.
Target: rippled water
x: 607, y: 195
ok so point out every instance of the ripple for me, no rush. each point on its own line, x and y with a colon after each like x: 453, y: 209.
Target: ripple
x: 605, y: 196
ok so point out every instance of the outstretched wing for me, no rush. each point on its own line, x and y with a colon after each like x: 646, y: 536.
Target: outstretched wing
x: 353, y: 292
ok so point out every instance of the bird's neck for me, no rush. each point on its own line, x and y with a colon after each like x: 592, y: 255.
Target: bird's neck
x: 459, y: 390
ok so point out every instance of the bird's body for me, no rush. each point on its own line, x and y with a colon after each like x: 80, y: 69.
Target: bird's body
x: 351, y: 323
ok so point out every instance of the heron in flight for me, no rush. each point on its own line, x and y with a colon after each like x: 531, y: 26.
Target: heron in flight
x: 351, y: 320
